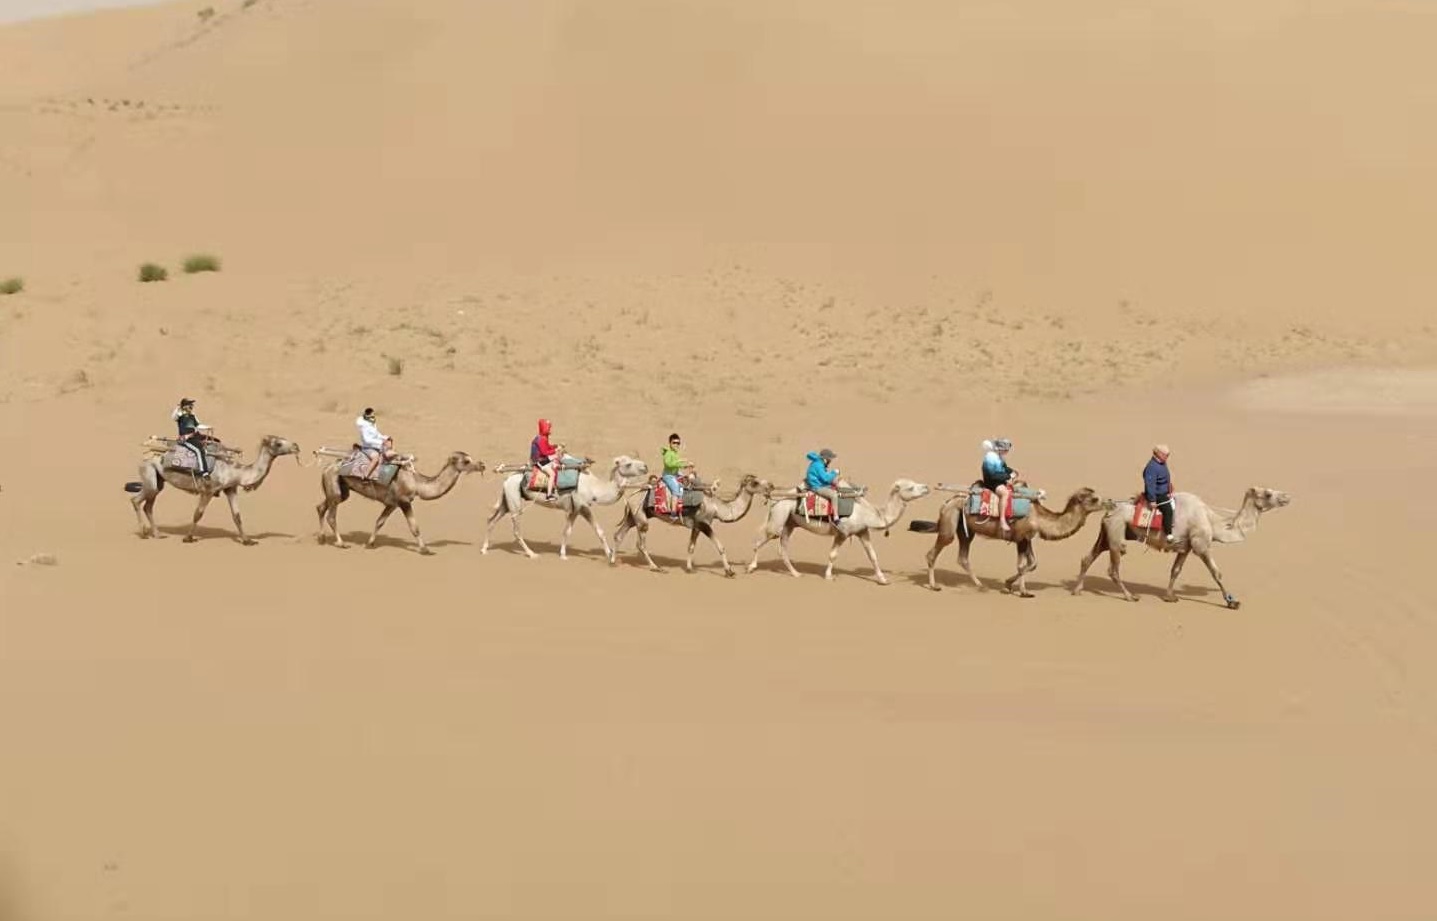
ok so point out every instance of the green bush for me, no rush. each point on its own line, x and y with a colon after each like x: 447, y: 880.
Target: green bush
x: 151, y: 272
x: 201, y: 263
x: 396, y: 366
x: 12, y: 286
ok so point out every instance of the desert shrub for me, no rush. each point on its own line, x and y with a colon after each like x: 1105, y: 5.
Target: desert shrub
x: 151, y: 272
x: 201, y: 263
x: 12, y: 286
x: 206, y: 13
x: 396, y: 366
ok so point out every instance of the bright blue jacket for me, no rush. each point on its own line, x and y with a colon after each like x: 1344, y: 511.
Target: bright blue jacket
x: 818, y: 476
x: 1157, y: 484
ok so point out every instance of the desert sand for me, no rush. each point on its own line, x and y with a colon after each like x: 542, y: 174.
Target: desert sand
x: 773, y: 227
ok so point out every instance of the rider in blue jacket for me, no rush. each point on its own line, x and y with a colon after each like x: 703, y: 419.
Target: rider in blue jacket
x: 821, y: 478
x: 1158, y: 488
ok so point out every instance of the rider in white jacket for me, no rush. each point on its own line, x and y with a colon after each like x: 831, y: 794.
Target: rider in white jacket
x: 373, y: 442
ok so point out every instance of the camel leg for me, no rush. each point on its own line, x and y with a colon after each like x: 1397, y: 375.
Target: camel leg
x: 866, y: 540
x: 408, y: 509
x: 379, y: 523
x: 144, y: 503
x: 569, y: 520
x: 642, y: 533
x: 693, y: 543
x: 200, y: 507
x: 588, y: 514
x: 622, y: 531
x: 932, y: 558
x: 499, y: 509
x: 1206, y: 557
x: 963, y: 548
x: 839, y: 539
x: 708, y: 531
x: 1099, y: 546
x: 1026, y: 564
x: 764, y: 537
x: 1172, y: 594
x: 233, y: 499
x: 519, y: 537
x: 783, y: 541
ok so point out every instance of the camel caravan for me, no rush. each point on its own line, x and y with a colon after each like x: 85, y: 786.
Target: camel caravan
x: 998, y: 506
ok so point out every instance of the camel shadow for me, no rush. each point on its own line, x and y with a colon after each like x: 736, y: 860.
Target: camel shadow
x: 551, y: 548
x: 205, y: 532
x: 405, y: 542
x: 1199, y: 594
x: 634, y: 559
x: 949, y: 579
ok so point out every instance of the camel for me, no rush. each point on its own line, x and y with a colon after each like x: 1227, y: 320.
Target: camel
x: 579, y: 502
x: 784, y: 518
x: 700, y: 521
x: 954, y: 523
x: 1196, y: 528
x: 226, y: 478
x: 408, y: 484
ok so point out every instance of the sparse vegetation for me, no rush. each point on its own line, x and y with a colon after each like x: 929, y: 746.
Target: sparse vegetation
x: 247, y: 4
x: 206, y: 14
x: 396, y: 366
x: 12, y: 286
x: 152, y: 272
x: 201, y: 263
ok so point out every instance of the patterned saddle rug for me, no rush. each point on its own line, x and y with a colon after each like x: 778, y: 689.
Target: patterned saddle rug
x: 356, y: 465
x: 178, y: 458
x: 983, y: 503
x: 814, y: 507
x: 1146, y: 517
x: 537, y: 480
x: 660, y: 502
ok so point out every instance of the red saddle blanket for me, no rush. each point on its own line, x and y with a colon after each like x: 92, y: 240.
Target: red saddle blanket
x: 1146, y: 517
x: 812, y: 505
x: 665, y: 502
x: 988, y: 505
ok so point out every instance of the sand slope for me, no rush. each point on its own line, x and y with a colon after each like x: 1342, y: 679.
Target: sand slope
x: 772, y: 227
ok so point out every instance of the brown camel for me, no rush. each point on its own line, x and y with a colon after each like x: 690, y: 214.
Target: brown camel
x: 954, y: 523
x: 226, y: 478
x: 1196, y: 527
x: 699, y: 521
x: 408, y: 484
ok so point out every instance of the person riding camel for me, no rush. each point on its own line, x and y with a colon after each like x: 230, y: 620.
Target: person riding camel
x: 193, y: 435
x: 377, y: 446
x: 674, y: 467
x: 547, y: 456
x: 1158, y: 488
x: 821, y: 479
x: 999, y: 477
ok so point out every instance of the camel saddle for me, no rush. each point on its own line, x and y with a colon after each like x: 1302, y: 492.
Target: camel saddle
x: 180, y: 458
x: 814, y: 507
x: 536, y: 480
x: 357, y: 464
x: 983, y: 503
x: 1146, y: 517
x: 660, y: 502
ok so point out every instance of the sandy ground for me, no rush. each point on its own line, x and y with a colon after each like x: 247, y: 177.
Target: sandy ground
x: 773, y: 227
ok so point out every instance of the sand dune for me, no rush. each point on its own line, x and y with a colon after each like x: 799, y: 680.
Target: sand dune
x: 772, y: 227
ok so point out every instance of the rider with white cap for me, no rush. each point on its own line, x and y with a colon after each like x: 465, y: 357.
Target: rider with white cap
x: 998, y: 476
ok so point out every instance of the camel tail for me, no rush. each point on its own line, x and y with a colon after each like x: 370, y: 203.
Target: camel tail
x: 133, y: 486
x: 923, y: 527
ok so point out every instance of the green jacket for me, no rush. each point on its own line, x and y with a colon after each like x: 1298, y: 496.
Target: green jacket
x: 673, y: 462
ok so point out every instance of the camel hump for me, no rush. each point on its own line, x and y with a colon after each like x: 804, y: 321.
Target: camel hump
x: 983, y: 502
x: 813, y: 507
x: 658, y: 500
x: 356, y: 466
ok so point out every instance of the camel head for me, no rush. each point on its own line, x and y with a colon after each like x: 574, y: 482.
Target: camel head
x: 753, y: 485
x: 1268, y: 499
x: 629, y: 468
x: 908, y: 490
x: 465, y: 464
x: 278, y: 447
x: 1089, y: 501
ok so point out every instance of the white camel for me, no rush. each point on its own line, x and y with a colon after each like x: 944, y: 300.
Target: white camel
x: 784, y: 518
x: 1196, y: 527
x: 577, y: 503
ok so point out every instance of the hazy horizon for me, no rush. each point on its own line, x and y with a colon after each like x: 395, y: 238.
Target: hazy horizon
x: 20, y: 10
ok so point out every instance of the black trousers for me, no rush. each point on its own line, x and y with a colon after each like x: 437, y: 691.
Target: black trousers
x: 1165, y: 505
x: 198, y: 449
